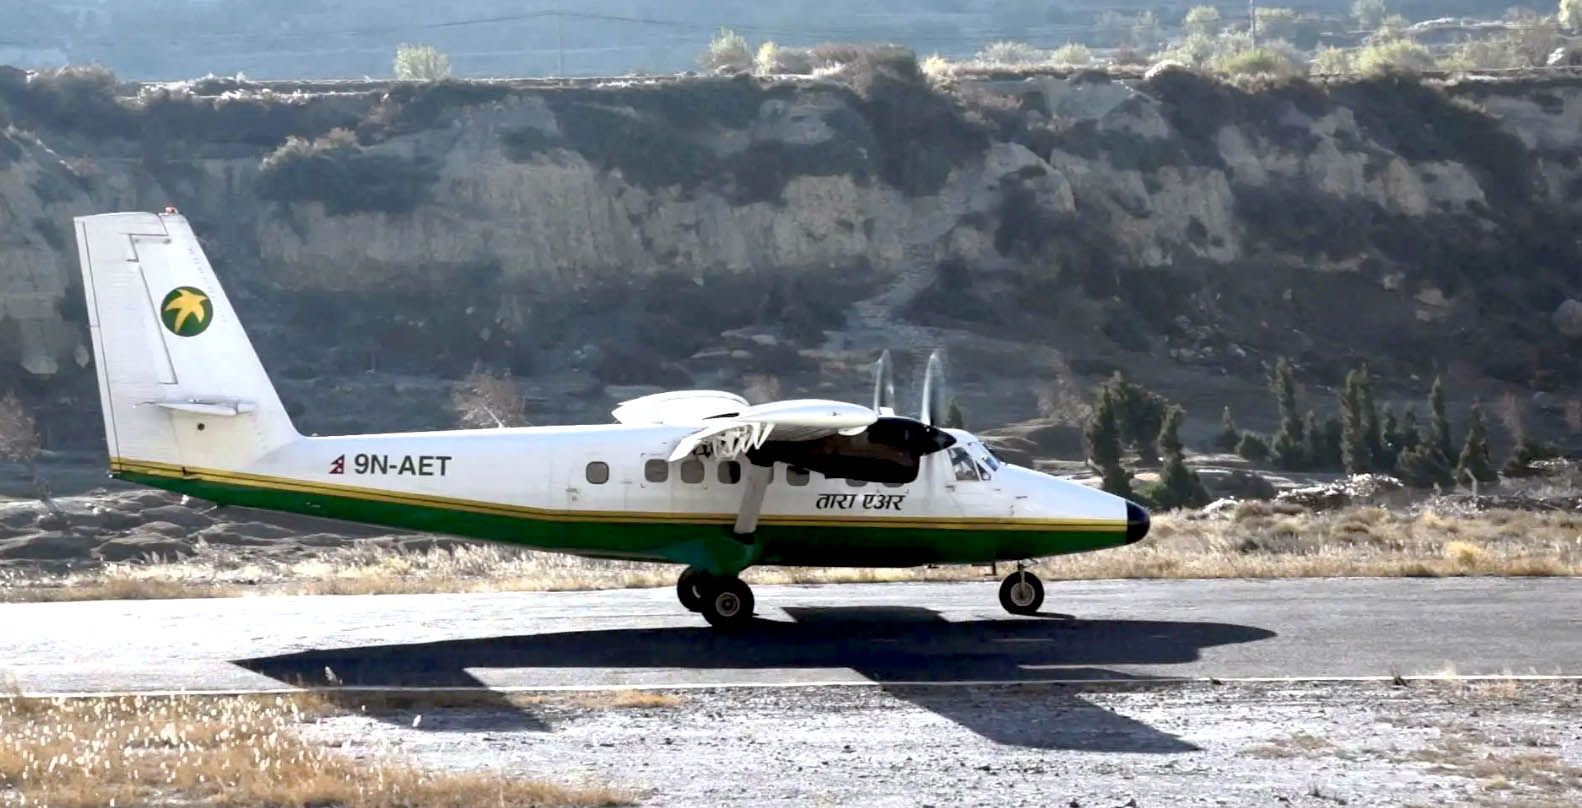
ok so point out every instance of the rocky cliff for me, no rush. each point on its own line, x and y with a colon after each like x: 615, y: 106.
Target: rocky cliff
x: 384, y: 239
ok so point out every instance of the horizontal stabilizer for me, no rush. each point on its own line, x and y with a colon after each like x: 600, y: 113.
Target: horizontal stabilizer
x: 209, y: 406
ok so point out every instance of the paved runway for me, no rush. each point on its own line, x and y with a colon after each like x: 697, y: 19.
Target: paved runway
x: 892, y: 634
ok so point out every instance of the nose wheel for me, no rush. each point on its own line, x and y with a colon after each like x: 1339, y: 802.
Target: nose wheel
x: 1022, y: 593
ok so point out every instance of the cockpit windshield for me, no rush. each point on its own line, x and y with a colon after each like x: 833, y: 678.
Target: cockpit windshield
x: 983, y: 453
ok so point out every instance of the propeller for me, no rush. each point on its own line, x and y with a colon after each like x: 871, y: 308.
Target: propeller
x: 932, y: 410
x: 884, y: 385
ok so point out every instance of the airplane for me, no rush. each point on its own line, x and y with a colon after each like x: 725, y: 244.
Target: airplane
x: 699, y: 478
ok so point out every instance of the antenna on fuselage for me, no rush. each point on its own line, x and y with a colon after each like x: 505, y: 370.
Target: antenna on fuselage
x: 884, y: 385
x: 932, y: 409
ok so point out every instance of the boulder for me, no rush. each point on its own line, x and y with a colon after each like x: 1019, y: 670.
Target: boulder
x: 259, y: 530
x: 178, y: 515
x: 1567, y: 318
x: 166, y: 529
x: 1238, y: 484
x: 49, y: 546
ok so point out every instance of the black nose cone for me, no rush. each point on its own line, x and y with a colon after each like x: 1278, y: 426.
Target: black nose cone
x: 1136, y: 523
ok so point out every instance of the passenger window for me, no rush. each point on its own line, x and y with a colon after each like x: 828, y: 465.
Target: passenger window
x: 730, y: 472
x: 795, y: 476
x: 855, y: 483
x: 656, y: 471
x: 598, y: 473
x: 692, y: 470
x: 963, y: 464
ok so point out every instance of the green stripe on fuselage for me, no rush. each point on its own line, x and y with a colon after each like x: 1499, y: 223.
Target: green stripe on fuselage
x: 712, y: 547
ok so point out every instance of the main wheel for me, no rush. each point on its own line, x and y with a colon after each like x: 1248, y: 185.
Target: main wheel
x: 727, y: 602
x: 1022, y: 593
x: 689, y: 588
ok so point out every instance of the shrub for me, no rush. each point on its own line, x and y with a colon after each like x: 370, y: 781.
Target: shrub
x: 1394, y: 56
x: 1201, y: 20
x: 1329, y: 61
x: 1369, y: 13
x: 1424, y: 467
x: 336, y: 171
x: 937, y: 68
x: 421, y: 63
x: 1258, y: 61
x: 485, y: 400
x: 1071, y: 53
x: 1474, y: 464
x: 772, y: 59
x: 1229, y: 435
x: 1252, y: 447
x: 727, y: 52
x: 19, y: 441
x: 1006, y: 52
x: 1570, y: 14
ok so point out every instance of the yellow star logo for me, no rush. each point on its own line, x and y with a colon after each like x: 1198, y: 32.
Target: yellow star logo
x: 186, y: 311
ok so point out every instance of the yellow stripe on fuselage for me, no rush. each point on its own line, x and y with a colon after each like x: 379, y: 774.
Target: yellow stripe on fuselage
x: 271, y: 483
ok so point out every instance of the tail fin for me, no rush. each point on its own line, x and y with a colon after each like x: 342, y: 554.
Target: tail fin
x: 179, y: 381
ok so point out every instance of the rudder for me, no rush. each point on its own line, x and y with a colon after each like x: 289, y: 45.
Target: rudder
x: 179, y: 382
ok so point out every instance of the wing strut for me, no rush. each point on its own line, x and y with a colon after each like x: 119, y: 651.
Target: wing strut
x: 752, y: 499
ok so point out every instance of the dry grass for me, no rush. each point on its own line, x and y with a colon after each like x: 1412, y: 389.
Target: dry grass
x: 1255, y: 540
x: 1301, y: 744
x: 626, y: 700
x: 226, y: 752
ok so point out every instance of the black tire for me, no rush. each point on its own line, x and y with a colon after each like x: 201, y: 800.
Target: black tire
x: 1022, y: 593
x: 727, y: 602
x: 688, y: 588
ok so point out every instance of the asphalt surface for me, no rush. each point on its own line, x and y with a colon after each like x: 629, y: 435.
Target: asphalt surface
x: 891, y: 634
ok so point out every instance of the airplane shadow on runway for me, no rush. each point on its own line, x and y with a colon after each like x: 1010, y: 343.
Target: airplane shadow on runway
x: 903, y: 649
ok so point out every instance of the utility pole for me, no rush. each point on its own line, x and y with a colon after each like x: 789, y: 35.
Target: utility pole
x: 1252, y: 21
x: 560, y: 46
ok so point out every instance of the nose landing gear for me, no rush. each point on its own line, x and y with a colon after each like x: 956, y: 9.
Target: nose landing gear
x: 724, y: 600
x: 1021, y: 592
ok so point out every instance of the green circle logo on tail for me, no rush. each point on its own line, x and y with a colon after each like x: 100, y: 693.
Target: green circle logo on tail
x: 186, y: 311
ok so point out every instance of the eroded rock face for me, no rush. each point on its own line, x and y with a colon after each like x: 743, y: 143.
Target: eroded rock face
x: 619, y: 231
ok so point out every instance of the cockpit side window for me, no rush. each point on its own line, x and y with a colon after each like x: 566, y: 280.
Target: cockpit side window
x: 963, y: 464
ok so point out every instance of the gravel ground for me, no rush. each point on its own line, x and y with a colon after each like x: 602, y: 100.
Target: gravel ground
x: 1234, y: 744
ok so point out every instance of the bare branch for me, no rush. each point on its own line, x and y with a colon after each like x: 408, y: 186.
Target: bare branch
x: 485, y: 401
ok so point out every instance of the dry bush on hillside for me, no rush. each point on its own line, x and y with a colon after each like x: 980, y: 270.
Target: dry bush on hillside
x: 485, y: 400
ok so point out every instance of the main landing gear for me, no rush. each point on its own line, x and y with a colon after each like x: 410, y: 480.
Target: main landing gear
x: 723, y: 600
x: 1021, y: 592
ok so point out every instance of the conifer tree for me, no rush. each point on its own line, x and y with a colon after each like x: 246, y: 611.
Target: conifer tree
x: 1333, y: 436
x: 1354, y: 454
x: 1474, y: 464
x: 1287, y: 443
x: 1438, y: 420
x: 954, y: 418
x: 1423, y: 466
x: 1372, y: 427
x: 1389, y: 440
x: 1229, y: 435
x: 1411, y: 433
x: 1179, y: 486
x: 1104, y: 445
x: 1312, y: 440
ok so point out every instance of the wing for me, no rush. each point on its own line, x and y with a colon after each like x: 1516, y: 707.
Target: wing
x: 679, y: 407
x: 732, y: 434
